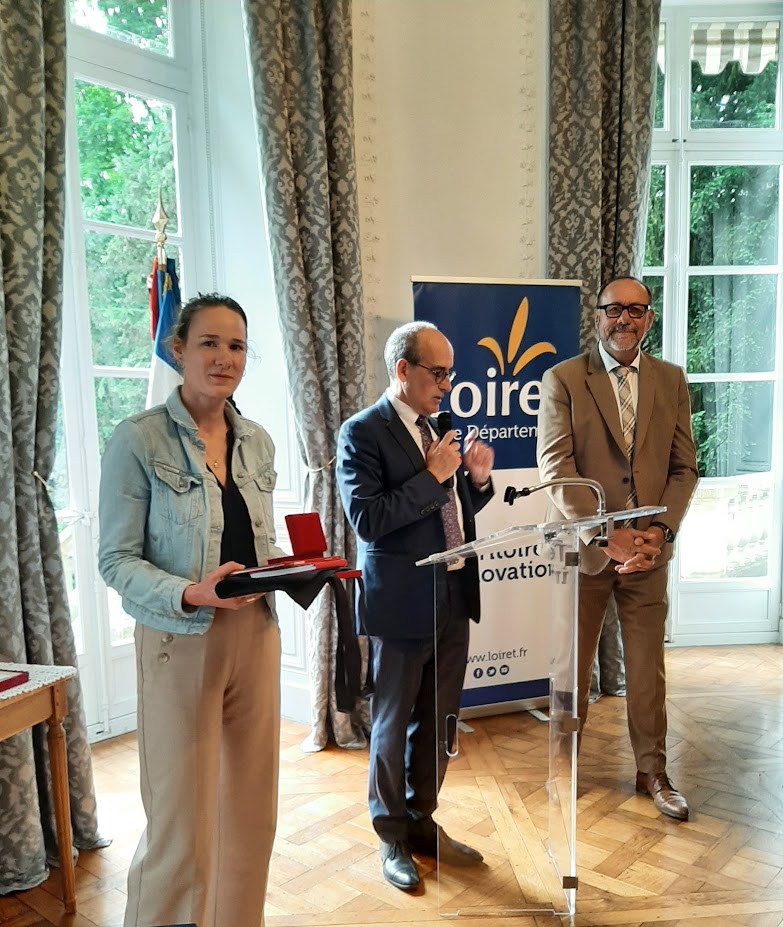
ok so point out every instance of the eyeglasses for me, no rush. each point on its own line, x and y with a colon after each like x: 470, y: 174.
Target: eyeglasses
x: 440, y: 373
x: 634, y: 310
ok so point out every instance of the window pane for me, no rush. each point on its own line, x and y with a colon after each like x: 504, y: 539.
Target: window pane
x: 653, y: 343
x: 121, y: 625
x: 734, y: 214
x: 117, y: 271
x: 68, y: 554
x: 59, y: 489
x: 660, y: 79
x: 731, y: 324
x: 726, y: 532
x: 143, y: 23
x: 656, y: 218
x: 734, y: 70
x: 126, y: 155
x: 732, y: 427
x: 115, y: 399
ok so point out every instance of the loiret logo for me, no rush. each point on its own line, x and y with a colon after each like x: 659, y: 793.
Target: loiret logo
x: 501, y: 397
x: 515, y: 336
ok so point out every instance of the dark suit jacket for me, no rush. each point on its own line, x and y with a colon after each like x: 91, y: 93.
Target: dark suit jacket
x: 393, y: 504
x: 579, y: 434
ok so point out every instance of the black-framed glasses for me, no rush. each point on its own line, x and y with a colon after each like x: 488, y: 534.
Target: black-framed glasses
x: 440, y: 373
x: 634, y: 310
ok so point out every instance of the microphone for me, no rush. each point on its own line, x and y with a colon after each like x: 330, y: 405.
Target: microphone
x: 511, y: 494
x: 444, y: 425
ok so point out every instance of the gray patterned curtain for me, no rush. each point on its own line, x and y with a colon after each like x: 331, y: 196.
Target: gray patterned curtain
x: 35, y: 623
x: 601, y: 100
x: 601, y: 83
x: 301, y: 61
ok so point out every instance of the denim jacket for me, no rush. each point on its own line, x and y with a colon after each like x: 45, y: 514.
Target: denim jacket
x: 161, y: 514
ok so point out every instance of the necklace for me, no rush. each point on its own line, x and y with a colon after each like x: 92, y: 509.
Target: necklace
x: 213, y: 460
x: 214, y: 452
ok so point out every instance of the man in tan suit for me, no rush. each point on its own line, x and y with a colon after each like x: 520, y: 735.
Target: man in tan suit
x: 622, y: 417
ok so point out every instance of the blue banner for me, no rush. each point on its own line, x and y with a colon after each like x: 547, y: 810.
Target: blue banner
x: 505, y: 335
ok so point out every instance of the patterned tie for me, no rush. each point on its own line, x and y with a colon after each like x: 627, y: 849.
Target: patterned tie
x: 448, y: 512
x: 628, y: 421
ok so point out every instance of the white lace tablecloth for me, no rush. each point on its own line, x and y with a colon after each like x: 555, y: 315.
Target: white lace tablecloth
x: 40, y: 676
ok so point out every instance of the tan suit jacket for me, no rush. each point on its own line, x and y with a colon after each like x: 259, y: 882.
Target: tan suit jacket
x: 579, y: 434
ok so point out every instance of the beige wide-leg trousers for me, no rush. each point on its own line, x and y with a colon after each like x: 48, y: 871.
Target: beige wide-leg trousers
x: 209, y: 734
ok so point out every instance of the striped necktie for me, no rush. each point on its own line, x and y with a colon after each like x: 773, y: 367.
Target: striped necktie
x: 448, y: 512
x: 628, y: 422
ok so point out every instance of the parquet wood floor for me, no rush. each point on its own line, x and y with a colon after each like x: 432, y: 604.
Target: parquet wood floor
x: 723, y: 868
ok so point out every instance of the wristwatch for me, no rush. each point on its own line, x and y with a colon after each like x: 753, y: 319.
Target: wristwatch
x: 668, y: 534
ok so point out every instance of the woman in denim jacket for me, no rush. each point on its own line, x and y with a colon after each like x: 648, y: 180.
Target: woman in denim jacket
x: 185, y: 499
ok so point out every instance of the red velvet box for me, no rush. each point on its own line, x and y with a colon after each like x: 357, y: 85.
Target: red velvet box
x: 308, y: 543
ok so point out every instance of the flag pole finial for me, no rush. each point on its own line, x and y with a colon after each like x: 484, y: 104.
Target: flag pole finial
x: 160, y: 220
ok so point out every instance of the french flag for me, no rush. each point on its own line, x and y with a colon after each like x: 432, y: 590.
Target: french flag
x: 164, y: 305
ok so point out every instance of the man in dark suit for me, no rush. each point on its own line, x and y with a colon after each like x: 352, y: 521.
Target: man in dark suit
x: 408, y: 493
x: 622, y: 417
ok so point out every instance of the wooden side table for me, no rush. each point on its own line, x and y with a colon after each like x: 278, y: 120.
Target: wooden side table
x: 43, y: 698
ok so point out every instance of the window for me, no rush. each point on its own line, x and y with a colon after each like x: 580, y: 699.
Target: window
x: 138, y: 124
x: 713, y: 260
x: 734, y: 68
x: 129, y: 104
x: 119, y: 185
x: 144, y: 24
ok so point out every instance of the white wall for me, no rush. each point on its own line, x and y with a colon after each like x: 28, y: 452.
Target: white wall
x: 450, y: 104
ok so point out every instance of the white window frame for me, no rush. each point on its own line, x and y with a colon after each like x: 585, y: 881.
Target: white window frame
x: 108, y: 671
x: 680, y: 147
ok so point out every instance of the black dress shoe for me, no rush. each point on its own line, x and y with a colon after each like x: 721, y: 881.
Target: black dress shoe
x: 436, y: 841
x: 398, y: 866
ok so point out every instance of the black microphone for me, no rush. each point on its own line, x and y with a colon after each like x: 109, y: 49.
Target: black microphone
x: 511, y: 494
x: 444, y: 425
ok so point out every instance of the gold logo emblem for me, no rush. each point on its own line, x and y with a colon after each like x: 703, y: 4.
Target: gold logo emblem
x: 515, y: 336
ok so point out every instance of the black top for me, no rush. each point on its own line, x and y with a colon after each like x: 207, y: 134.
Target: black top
x: 237, y: 542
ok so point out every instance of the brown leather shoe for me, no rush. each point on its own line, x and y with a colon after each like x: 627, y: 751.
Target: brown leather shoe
x: 667, y: 799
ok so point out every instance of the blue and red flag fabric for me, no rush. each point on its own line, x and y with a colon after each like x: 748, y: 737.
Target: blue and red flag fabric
x: 164, y: 304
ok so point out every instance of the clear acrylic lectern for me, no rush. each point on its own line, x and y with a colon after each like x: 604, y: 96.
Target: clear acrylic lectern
x: 508, y: 798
